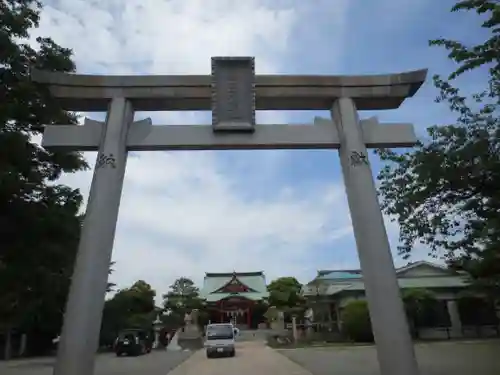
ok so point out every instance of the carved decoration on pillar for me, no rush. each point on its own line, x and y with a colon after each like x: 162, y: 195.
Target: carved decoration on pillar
x: 105, y: 160
x: 358, y: 158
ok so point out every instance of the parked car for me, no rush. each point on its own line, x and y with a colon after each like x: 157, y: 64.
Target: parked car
x: 133, y: 342
x: 219, y: 340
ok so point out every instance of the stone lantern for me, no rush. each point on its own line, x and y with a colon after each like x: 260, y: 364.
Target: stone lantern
x: 157, y: 326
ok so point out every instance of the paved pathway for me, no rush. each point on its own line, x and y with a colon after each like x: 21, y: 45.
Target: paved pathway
x: 252, y: 358
x: 440, y: 358
x: 155, y: 363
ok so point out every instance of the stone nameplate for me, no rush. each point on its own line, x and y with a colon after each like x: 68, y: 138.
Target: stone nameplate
x: 233, y: 94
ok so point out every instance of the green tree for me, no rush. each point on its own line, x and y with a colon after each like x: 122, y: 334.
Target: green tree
x: 183, y: 295
x: 356, y: 323
x: 141, y: 296
x: 285, y: 292
x: 39, y: 219
x: 132, y: 307
x: 444, y: 193
x: 417, y: 302
x: 182, y: 298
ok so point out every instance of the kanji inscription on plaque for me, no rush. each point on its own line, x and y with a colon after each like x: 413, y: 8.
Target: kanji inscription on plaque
x: 233, y: 93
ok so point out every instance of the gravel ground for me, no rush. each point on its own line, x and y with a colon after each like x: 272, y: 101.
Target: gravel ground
x: 447, y: 358
x: 155, y: 363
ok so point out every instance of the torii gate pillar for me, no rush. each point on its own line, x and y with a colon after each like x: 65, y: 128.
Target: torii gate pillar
x: 80, y: 334
x: 387, y: 314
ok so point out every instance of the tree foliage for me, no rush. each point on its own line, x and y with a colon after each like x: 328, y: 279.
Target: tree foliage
x: 417, y: 302
x: 132, y: 307
x: 487, y: 53
x: 182, y: 298
x: 445, y: 192
x: 285, y: 292
x: 183, y: 294
x: 356, y: 323
x: 39, y: 218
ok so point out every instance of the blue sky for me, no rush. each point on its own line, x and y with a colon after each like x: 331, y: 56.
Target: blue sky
x: 283, y: 212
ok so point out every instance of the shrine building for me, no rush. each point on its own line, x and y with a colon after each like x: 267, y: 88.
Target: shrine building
x: 231, y: 297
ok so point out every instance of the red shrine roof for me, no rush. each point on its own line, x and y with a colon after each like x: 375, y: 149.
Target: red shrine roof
x: 217, y: 286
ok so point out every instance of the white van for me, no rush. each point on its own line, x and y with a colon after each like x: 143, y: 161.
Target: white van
x: 219, y: 340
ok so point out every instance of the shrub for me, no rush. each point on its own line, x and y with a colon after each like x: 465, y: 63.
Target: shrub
x: 356, y: 322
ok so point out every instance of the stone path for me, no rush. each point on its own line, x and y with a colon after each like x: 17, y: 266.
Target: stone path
x: 155, y: 363
x: 251, y: 358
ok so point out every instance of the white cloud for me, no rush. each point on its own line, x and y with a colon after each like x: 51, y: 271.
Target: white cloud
x: 185, y: 213
x: 174, y: 37
x: 181, y: 214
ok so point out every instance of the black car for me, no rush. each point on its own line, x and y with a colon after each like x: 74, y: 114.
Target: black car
x: 133, y: 342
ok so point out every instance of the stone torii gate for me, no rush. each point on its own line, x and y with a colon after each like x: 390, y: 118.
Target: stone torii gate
x: 233, y: 93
